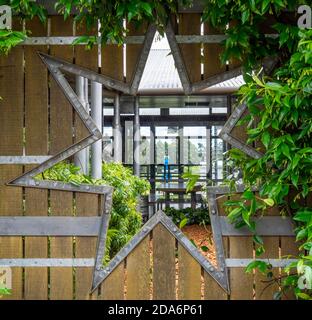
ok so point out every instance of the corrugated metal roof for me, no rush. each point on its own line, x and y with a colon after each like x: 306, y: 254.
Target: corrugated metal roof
x: 160, y: 73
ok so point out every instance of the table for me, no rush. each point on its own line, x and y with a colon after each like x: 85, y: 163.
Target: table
x: 179, y: 188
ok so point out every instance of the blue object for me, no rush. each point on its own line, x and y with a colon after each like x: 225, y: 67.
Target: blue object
x: 166, y: 169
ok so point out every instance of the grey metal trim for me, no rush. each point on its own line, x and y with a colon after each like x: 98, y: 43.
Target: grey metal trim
x: 178, y: 59
x: 23, y: 159
x: 225, y: 133
x: 276, y: 263
x: 28, y: 179
x: 47, y: 262
x: 50, y: 226
x: 226, y: 75
x: 220, y: 274
x: 227, y: 190
x: 265, y: 226
x: 60, y: 64
x: 137, y: 76
x: 181, y: 39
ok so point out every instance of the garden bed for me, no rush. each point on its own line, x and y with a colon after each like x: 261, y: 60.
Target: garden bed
x: 202, y: 237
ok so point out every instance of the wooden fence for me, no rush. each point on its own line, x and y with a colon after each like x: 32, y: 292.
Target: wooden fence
x: 36, y: 119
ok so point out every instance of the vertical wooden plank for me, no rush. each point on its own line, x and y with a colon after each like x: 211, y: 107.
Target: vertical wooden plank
x: 36, y: 279
x: 240, y: 131
x: 133, y: 50
x: 87, y: 59
x: 11, y: 143
x: 241, y: 283
x: 112, y: 61
x: 86, y: 205
x: 271, y: 245
x: 61, y: 278
x: 212, y: 290
x: 189, y: 24
x: 113, y: 286
x: 138, y: 272
x: 61, y: 122
x: 189, y: 279
x: 289, y: 247
x: 12, y: 102
x: 163, y: 264
x: 11, y: 205
x: 221, y: 210
x: 36, y: 132
x: 61, y: 111
x: 212, y: 54
x: 234, y: 62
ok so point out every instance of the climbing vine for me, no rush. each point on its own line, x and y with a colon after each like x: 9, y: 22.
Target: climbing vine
x: 279, y: 106
x: 280, y: 117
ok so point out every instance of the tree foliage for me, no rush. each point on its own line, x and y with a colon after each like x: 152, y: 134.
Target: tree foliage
x: 280, y: 105
x: 125, y: 219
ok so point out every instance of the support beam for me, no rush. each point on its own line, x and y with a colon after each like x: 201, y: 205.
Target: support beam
x: 81, y: 158
x: 96, y: 114
x: 117, y: 131
x: 136, y: 138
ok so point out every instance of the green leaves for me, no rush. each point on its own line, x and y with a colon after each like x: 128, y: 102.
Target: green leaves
x: 183, y: 223
x: 10, y: 39
x: 262, y: 266
x: 191, y: 180
x: 269, y: 202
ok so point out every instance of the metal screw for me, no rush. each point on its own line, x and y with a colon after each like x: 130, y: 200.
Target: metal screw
x: 213, y: 211
x: 211, y: 269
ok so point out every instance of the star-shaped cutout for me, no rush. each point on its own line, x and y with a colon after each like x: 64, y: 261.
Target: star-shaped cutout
x: 56, y: 67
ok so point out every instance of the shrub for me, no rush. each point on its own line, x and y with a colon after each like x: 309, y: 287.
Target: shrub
x: 125, y: 217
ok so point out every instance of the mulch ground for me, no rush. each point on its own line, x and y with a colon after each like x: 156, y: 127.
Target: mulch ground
x: 202, y: 236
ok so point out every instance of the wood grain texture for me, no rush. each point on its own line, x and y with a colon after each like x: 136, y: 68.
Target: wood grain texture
x: 290, y: 248
x: 11, y: 104
x: 133, y: 51
x: 189, y: 278
x: 233, y: 63
x: 11, y: 205
x: 212, y: 54
x: 189, y: 24
x: 36, y: 131
x: 112, y: 61
x: 61, y: 279
x: 36, y: 279
x: 138, y: 272
x: 240, y: 131
x: 212, y: 290
x: 86, y: 205
x: 87, y: 59
x: 61, y: 111
x: 11, y: 143
x: 271, y: 245
x: 221, y: 210
x: 241, y: 283
x: 113, y: 286
x: 163, y: 264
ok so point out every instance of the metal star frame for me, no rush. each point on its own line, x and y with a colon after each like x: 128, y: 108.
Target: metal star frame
x: 225, y: 133
x: 28, y: 179
x: 218, y: 274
